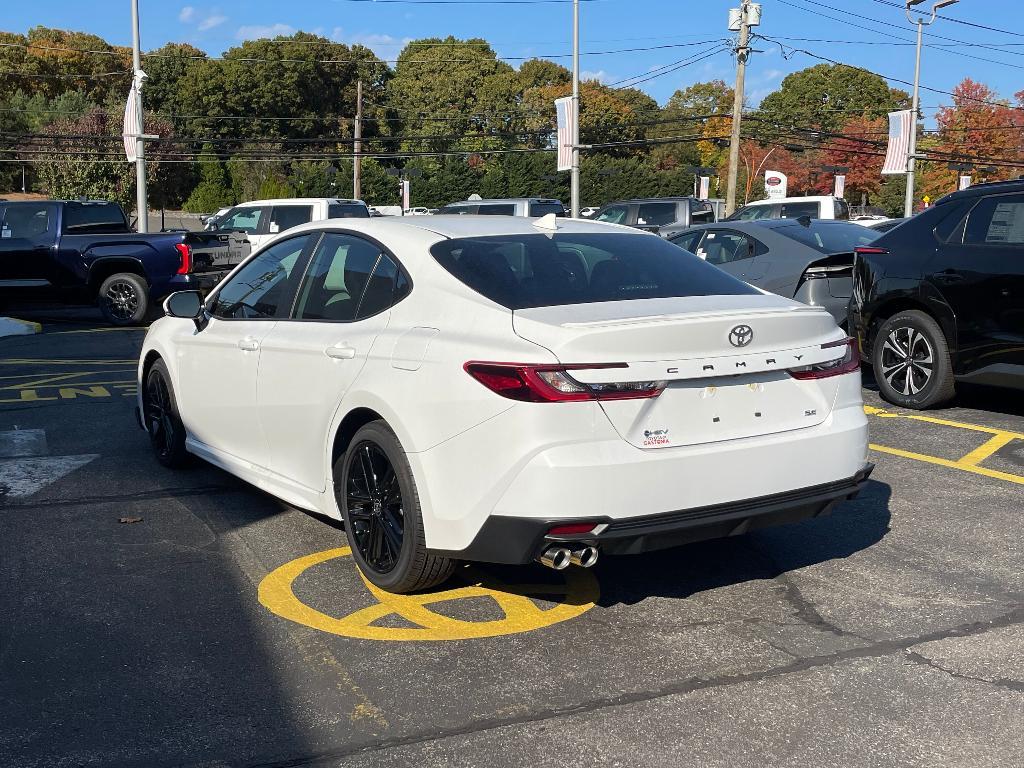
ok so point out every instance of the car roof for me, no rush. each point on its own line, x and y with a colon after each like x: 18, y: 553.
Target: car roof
x: 461, y: 226
x: 761, y: 224
x: 632, y: 200
x: 504, y: 200
x: 986, y: 188
x: 298, y: 201
x: 806, y: 199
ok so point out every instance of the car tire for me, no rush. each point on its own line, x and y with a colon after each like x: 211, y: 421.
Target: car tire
x: 910, y: 360
x: 380, y: 506
x: 124, y: 299
x: 162, y: 419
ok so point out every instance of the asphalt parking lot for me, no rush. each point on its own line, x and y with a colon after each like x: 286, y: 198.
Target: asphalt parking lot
x: 153, y: 618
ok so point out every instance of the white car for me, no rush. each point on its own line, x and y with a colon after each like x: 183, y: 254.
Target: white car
x: 504, y: 389
x: 814, y: 206
x: 262, y: 220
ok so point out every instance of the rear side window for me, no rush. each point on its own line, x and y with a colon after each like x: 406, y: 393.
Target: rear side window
x: 656, y: 214
x: 543, y: 209
x: 725, y: 246
x: 520, y: 271
x: 78, y: 216
x: 497, y: 209
x: 796, y: 210
x: 349, y: 279
x: 285, y: 217
x: 347, y: 211
x: 755, y: 212
x: 996, y: 221
x: 688, y: 240
x: 25, y: 221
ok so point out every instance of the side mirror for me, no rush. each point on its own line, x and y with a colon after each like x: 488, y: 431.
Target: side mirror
x: 187, y: 305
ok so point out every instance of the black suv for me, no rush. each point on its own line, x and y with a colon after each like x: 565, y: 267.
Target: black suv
x: 665, y: 215
x: 940, y: 298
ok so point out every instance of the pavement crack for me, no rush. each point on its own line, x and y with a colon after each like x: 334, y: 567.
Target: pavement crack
x: 154, y: 495
x: 1001, y: 682
x: 689, y: 685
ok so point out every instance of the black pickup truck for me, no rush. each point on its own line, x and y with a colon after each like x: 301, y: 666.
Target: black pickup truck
x: 84, y: 252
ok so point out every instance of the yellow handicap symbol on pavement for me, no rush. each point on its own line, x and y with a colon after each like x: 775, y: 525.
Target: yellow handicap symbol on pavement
x: 573, y: 597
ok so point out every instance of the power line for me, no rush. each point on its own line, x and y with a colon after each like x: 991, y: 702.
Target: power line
x: 630, y: 82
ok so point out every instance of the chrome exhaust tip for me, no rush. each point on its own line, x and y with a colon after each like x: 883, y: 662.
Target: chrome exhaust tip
x: 557, y: 558
x: 585, y: 557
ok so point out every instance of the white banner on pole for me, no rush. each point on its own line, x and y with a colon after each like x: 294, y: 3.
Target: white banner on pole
x: 840, y: 185
x: 405, y: 195
x: 965, y: 181
x: 564, y: 112
x: 900, y: 126
x: 775, y: 184
x: 705, y: 187
x: 130, y: 127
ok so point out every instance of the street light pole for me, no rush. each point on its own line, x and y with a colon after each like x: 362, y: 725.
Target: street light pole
x: 141, y: 202
x: 908, y: 202
x: 574, y: 177
x: 742, y: 53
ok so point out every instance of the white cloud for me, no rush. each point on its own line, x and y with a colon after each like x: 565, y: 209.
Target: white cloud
x: 256, y: 31
x: 600, y: 75
x: 188, y: 13
x: 211, y: 21
x: 385, y: 46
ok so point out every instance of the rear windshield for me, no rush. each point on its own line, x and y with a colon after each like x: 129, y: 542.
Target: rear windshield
x: 459, y: 210
x: 93, y: 215
x: 521, y: 271
x: 543, y: 209
x: 347, y: 211
x: 829, y: 236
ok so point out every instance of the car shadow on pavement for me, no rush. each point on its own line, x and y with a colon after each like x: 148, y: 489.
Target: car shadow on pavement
x: 684, y: 571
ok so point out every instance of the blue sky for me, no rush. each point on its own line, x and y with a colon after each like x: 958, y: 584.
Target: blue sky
x: 524, y: 30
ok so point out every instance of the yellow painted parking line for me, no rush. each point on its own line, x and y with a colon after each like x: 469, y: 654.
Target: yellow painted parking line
x: 987, y: 448
x: 973, y: 468
x: 574, y: 597
x: 62, y: 384
x: 871, y: 410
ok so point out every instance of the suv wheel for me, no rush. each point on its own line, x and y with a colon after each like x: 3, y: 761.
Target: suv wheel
x: 377, y: 496
x: 910, y: 358
x: 124, y: 299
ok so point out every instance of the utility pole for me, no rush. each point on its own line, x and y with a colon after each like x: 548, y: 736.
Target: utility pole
x: 908, y: 203
x: 357, y: 164
x: 748, y: 15
x: 574, y: 178
x: 141, y: 202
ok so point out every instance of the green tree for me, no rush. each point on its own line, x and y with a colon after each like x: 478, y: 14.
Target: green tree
x: 213, y: 191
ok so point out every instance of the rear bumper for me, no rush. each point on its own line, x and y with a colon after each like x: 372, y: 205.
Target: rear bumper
x: 520, y: 540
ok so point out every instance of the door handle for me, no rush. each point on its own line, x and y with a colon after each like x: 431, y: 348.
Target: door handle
x: 249, y: 344
x: 340, y: 352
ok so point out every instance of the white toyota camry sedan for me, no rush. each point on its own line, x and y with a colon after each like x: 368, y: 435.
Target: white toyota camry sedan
x: 506, y: 389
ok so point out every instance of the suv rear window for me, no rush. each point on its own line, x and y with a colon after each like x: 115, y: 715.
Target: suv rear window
x: 347, y: 211
x: 829, y: 236
x: 543, y: 209
x: 521, y: 271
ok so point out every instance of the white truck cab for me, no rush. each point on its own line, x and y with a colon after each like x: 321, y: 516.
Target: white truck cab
x: 814, y: 206
x: 263, y: 219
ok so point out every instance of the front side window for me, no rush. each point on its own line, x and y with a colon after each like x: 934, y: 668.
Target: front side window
x: 284, y: 217
x: 656, y: 214
x: 520, y: 271
x: 349, y: 279
x: 25, y: 221
x: 723, y: 247
x: 754, y: 212
x: 245, y: 219
x: 996, y: 221
x: 614, y: 214
x: 688, y: 240
x: 265, y: 286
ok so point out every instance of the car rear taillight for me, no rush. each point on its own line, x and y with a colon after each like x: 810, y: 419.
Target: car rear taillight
x: 185, y: 252
x: 869, y: 250
x: 848, y: 363
x: 553, y: 384
x: 572, y: 529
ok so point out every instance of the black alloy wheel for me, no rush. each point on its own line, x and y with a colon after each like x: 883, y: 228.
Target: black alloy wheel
x: 124, y: 299
x: 373, y: 499
x: 380, y: 506
x: 160, y: 415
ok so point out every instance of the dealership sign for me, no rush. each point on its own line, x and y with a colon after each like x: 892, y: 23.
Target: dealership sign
x: 775, y: 183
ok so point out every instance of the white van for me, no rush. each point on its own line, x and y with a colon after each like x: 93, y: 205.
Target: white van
x: 262, y: 219
x: 815, y: 207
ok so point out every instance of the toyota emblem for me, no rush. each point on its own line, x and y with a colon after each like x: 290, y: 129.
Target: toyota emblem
x: 741, y: 335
